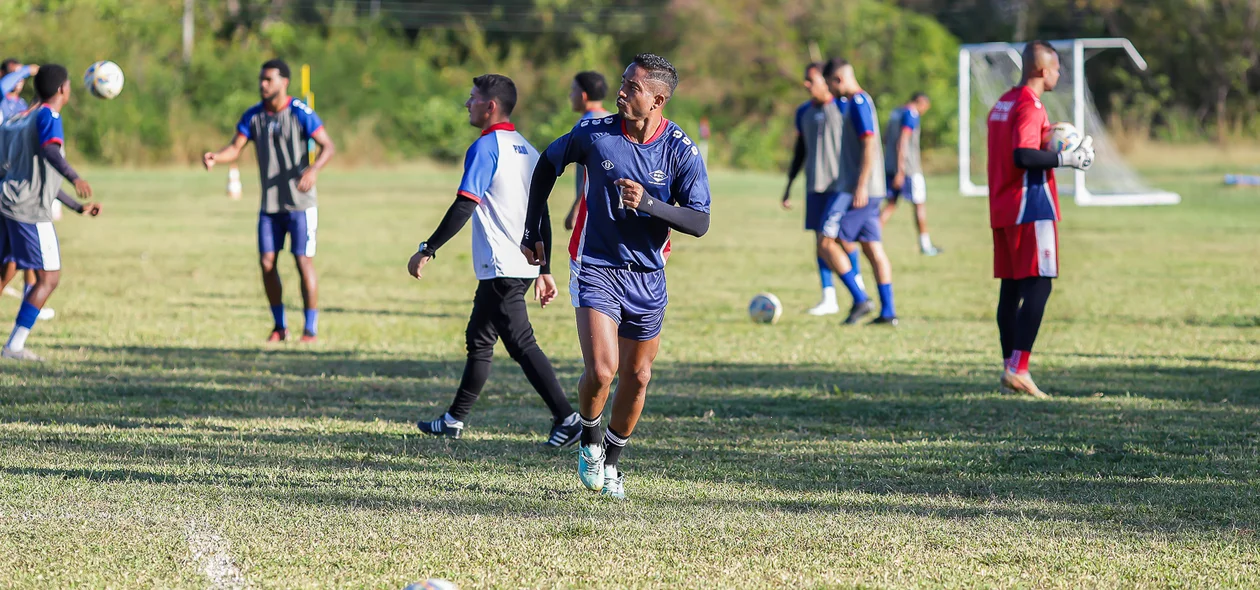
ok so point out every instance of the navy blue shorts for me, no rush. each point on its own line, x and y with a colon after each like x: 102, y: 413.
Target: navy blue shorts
x: 273, y: 227
x: 853, y: 225
x: 816, y: 205
x: 29, y: 245
x: 635, y: 300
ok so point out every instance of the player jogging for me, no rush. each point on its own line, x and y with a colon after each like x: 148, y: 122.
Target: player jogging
x: 32, y: 153
x: 854, y: 215
x: 586, y: 96
x: 494, y: 193
x: 904, y: 169
x: 1024, y: 209
x: 280, y: 126
x: 646, y: 179
x: 819, y: 127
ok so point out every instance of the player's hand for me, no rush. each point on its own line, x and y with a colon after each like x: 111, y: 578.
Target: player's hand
x: 861, y: 197
x: 899, y: 180
x: 207, y: 160
x: 416, y: 264
x: 631, y: 192
x: 545, y: 290
x: 92, y: 209
x: 534, y: 256
x: 1080, y: 158
x: 83, y: 189
x: 307, y: 182
x: 569, y: 219
x: 34, y: 69
x: 786, y: 203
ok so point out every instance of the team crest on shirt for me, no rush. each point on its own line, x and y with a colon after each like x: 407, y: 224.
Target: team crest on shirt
x: 658, y: 177
x: 607, y: 164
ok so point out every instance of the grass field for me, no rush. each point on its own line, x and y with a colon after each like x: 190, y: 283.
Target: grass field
x: 164, y: 445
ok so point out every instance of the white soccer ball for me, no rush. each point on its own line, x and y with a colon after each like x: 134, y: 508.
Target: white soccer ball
x: 433, y: 584
x: 765, y: 308
x: 103, y: 79
x: 1064, y: 138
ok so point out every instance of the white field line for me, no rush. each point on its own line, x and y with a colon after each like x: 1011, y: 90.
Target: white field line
x: 210, y: 552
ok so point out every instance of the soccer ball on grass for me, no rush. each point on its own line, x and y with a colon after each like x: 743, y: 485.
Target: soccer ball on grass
x: 765, y: 308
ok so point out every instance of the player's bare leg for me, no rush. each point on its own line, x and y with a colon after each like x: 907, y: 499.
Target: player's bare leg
x: 310, y: 295
x: 6, y: 276
x: 275, y: 291
x: 597, y: 336
x: 890, y: 207
x: 45, y: 283
x: 632, y: 381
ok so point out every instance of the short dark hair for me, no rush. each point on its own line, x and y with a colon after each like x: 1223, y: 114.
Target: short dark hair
x: 659, y: 69
x: 593, y: 84
x: 832, y: 65
x: 9, y: 65
x: 499, y: 88
x: 917, y: 95
x: 813, y: 65
x: 49, y: 80
x: 279, y: 65
x: 1033, y: 50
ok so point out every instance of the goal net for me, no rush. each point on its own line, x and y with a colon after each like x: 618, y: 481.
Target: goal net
x: 986, y: 71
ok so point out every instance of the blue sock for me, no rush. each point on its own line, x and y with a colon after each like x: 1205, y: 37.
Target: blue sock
x: 27, y: 314
x: 853, y: 257
x: 824, y: 273
x: 850, y: 282
x: 886, y: 301
x: 277, y: 313
x: 312, y: 321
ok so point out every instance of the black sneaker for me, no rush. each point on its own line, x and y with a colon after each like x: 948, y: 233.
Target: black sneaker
x: 439, y: 427
x: 859, y: 311
x: 563, y: 436
x: 891, y: 321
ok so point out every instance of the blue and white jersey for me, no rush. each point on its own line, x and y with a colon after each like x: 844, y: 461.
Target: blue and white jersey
x: 581, y: 182
x: 497, y: 171
x: 668, y: 166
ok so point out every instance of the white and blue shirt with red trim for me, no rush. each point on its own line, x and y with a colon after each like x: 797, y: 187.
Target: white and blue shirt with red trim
x: 497, y: 171
x: 668, y: 166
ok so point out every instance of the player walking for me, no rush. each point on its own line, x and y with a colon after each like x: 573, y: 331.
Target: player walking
x: 494, y: 193
x: 646, y: 179
x: 819, y: 126
x: 904, y: 169
x: 280, y: 126
x: 1024, y: 209
x: 32, y: 155
x: 586, y: 96
x: 854, y: 215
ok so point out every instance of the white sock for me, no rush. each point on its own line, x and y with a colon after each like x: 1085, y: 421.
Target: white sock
x: 452, y: 421
x: 17, y: 340
x: 829, y: 295
x: 925, y: 242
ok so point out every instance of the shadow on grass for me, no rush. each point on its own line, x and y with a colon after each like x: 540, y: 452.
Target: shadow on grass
x: 919, y: 441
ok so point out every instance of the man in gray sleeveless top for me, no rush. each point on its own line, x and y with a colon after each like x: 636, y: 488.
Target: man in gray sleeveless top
x: 903, y: 168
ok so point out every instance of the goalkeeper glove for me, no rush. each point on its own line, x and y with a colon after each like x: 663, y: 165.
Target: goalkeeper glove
x: 1080, y: 158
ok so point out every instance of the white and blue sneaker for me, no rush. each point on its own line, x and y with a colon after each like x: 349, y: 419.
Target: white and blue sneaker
x: 614, y: 484
x: 591, y: 466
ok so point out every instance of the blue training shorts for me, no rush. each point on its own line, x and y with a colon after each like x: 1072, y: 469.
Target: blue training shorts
x: 816, y: 206
x: 272, y: 228
x: 635, y: 300
x: 30, y: 246
x: 853, y: 225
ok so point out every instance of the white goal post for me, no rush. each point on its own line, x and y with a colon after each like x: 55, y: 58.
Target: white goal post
x: 987, y: 70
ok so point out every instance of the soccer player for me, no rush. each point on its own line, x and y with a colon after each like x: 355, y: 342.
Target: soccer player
x: 586, y: 96
x: 819, y: 122
x: 854, y: 215
x: 14, y: 76
x: 494, y: 193
x: 1024, y: 209
x: 280, y: 126
x: 32, y: 144
x: 904, y: 169
x: 646, y: 179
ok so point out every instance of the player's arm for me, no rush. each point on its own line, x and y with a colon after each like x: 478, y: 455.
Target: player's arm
x: 51, y: 138
x: 1029, y: 153
x: 536, y: 243
x: 480, y: 162
x: 10, y: 80
x: 228, y: 154
x: 903, y: 147
x: 798, y: 162
x: 326, y: 150
x: 865, y: 122
x: 689, y: 189
x: 92, y: 209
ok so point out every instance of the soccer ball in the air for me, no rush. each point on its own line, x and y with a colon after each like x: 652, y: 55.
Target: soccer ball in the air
x: 765, y: 308
x: 432, y: 584
x: 1063, y: 137
x: 104, y: 79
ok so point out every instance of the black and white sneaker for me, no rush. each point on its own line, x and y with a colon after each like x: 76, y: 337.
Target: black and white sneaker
x: 859, y: 311
x: 889, y: 320
x: 440, y: 427
x: 563, y: 436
